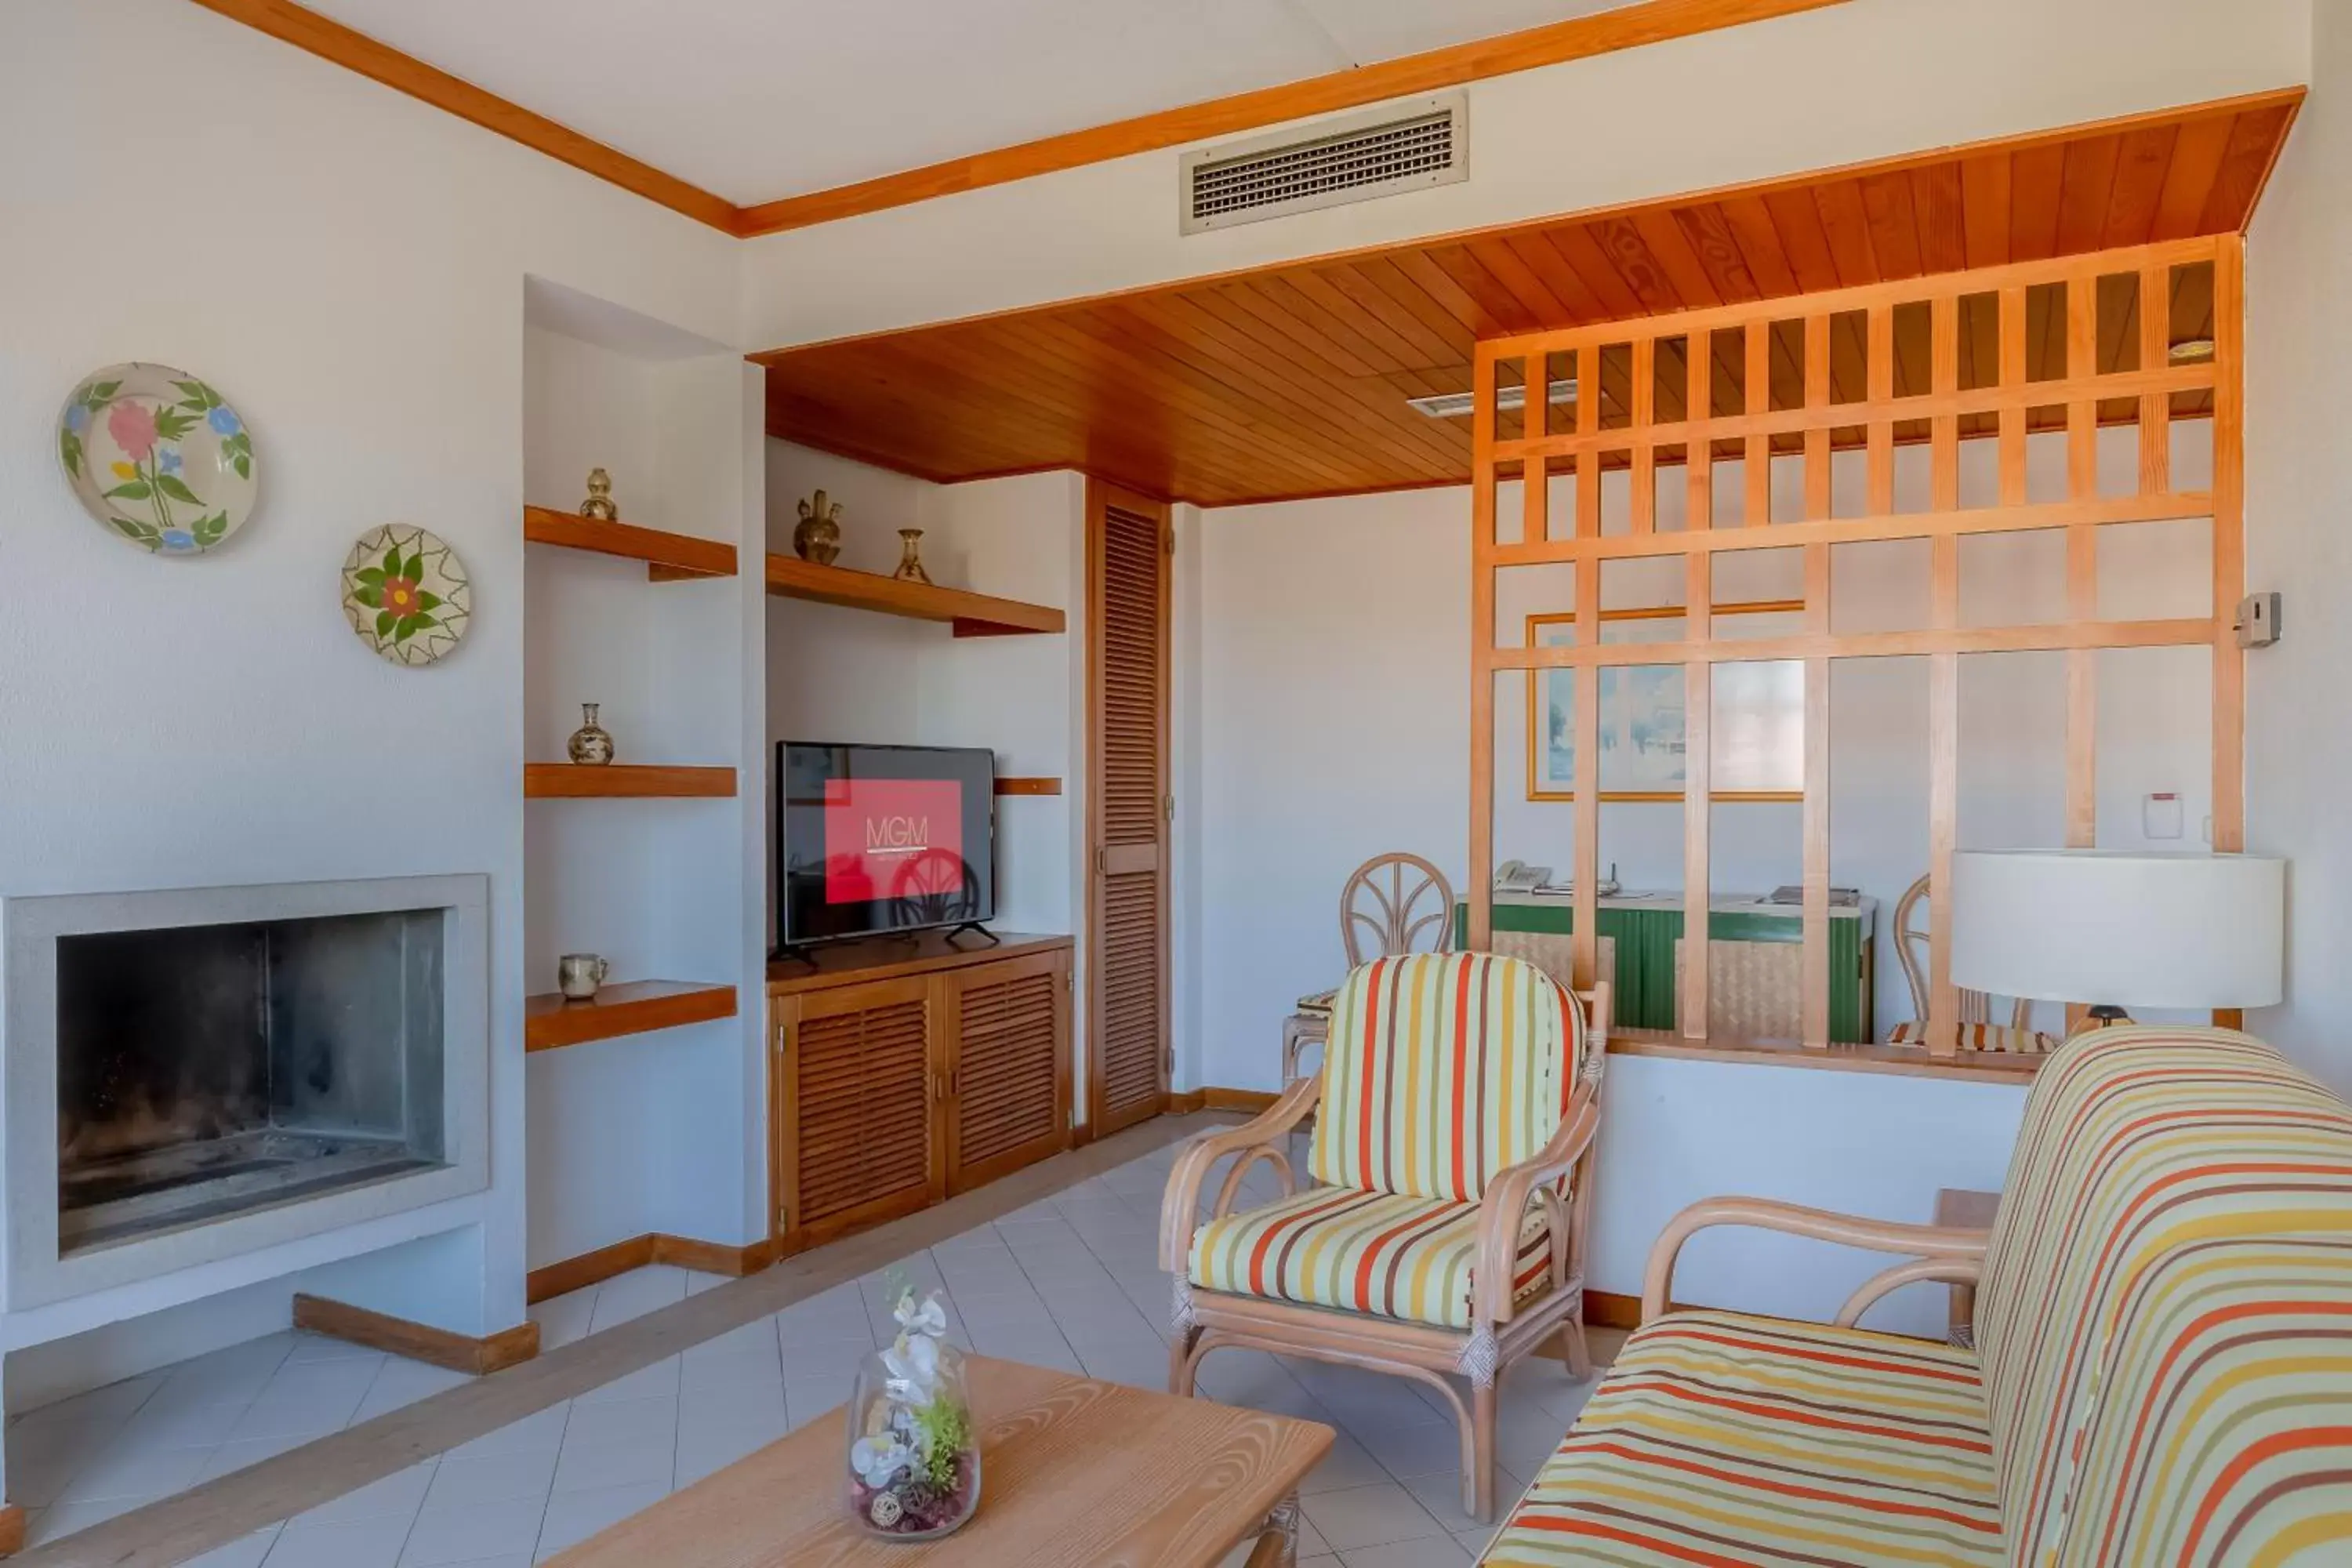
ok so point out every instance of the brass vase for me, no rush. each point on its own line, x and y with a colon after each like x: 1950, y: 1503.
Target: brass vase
x: 911, y: 560
x: 591, y: 745
x: 818, y: 537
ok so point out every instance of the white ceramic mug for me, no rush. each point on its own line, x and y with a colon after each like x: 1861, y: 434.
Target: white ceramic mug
x: 577, y: 974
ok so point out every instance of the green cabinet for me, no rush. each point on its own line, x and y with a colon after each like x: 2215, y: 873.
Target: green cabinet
x: 1645, y: 930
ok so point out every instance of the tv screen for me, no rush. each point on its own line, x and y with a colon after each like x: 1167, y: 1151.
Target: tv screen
x: 882, y: 838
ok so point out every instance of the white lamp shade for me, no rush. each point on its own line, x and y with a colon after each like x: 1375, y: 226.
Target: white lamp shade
x: 2130, y: 928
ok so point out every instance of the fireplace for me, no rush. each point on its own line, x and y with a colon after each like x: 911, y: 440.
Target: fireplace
x: 195, y: 1073
x: 206, y: 1070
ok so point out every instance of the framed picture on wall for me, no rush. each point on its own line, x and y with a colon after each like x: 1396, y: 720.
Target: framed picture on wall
x: 1759, y: 713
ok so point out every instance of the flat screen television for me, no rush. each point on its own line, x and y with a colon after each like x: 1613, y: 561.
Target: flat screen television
x: 874, y: 839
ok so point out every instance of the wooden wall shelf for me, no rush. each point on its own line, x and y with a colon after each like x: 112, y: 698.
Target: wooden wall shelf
x: 1007, y: 785
x: 571, y: 781
x: 971, y: 615
x: 669, y: 557
x: 550, y: 1021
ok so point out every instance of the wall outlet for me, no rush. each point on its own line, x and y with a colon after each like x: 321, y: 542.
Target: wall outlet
x: 2258, y: 620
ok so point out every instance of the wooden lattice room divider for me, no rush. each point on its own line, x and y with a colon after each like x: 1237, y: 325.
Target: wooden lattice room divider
x: 2049, y: 344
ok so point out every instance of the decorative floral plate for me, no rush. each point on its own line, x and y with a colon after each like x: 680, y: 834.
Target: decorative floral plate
x: 406, y: 593
x: 157, y: 457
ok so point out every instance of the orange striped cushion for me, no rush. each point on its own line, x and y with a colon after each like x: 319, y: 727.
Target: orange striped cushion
x: 2166, y: 1317
x: 1362, y: 1252
x: 1442, y: 1070
x: 1725, y: 1440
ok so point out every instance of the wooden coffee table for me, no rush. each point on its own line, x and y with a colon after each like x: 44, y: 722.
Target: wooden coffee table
x: 1072, y: 1472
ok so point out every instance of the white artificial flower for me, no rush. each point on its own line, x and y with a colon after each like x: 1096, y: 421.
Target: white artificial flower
x: 913, y: 1363
x: 929, y: 1318
x: 877, y: 1459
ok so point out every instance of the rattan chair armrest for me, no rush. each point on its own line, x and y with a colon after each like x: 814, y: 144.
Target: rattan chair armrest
x: 1180, y: 1206
x: 1504, y: 1205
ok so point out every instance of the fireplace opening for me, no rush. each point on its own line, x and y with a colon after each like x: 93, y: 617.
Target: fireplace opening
x: 206, y: 1070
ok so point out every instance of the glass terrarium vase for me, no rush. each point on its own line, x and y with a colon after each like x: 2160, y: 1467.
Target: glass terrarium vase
x: 913, y: 1469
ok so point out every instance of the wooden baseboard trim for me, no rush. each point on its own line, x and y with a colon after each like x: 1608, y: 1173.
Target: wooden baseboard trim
x: 1608, y: 1309
x: 1211, y: 1098
x: 713, y: 1257
x: 419, y: 1341
x: 561, y: 1279
x: 589, y: 1268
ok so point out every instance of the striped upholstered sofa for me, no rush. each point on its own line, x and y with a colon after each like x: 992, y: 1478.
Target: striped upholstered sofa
x: 2164, y: 1373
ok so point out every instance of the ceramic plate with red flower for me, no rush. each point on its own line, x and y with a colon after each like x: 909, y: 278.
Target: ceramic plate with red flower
x: 158, y: 457
x: 406, y: 593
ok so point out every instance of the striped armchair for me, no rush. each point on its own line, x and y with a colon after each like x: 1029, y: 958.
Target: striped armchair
x: 1452, y: 1165
x: 2164, y: 1317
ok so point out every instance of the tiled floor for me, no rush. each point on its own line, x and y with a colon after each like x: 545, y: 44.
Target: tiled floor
x: 1070, y: 1282
x: 89, y: 1458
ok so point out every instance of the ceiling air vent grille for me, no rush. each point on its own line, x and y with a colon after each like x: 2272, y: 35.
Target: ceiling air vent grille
x: 1421, y: 144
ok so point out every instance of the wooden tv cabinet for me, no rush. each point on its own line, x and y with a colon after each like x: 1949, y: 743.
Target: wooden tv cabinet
x: 905, y: 1071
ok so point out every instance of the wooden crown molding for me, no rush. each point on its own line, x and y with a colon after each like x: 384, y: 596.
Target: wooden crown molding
x: 1625, y: 27
x: 331, y: 40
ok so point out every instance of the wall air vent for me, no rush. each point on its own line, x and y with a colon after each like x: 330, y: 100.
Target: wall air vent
x: 1406, y: 147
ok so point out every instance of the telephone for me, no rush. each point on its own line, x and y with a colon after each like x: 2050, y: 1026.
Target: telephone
x: 1519, y: 877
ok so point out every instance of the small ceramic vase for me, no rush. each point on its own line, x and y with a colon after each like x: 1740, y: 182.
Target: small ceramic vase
x: 591, y: 745
x: 599, y: 504
x: 578, y: 975
x: 910, y: 561
x: 818, y: 538
x: 913, y: 1470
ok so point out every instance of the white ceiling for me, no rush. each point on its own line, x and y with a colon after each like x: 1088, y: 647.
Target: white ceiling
x: 755, y: 99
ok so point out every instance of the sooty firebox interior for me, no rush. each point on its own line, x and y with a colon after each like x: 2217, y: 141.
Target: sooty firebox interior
x: 205, y: 1070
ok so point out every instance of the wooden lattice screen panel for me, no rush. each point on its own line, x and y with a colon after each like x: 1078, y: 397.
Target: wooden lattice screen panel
x: 2084, y: 370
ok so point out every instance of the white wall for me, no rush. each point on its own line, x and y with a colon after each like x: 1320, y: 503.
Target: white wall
x: 347, y: 266
x: 2299, y: 541
x: 1900, y: 76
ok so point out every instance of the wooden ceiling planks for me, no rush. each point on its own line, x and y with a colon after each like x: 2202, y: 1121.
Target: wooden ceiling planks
x: 1292, y: 381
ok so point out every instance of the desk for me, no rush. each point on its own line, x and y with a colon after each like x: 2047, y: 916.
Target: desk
x: 1753, y: 972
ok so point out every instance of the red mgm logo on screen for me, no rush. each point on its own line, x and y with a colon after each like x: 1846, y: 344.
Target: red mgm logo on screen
x: 890, y: 837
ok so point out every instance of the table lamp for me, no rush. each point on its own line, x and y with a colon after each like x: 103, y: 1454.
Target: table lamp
x: 2119, y: 928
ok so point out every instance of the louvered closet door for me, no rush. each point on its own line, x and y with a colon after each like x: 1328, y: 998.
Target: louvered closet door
x: 861, y: 1110
x: 1128, y: 1049
x: 1008, y: 1051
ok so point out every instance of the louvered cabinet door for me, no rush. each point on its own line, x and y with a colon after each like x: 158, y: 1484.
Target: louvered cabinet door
x: 1129, y: 809
x: 859, y: 1119
x: 1008, y: 1056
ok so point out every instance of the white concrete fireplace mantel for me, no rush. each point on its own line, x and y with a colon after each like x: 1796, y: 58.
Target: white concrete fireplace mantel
x: 35, y: 1274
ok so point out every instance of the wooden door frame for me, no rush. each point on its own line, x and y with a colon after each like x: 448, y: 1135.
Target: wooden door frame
x: 1100, y: 496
